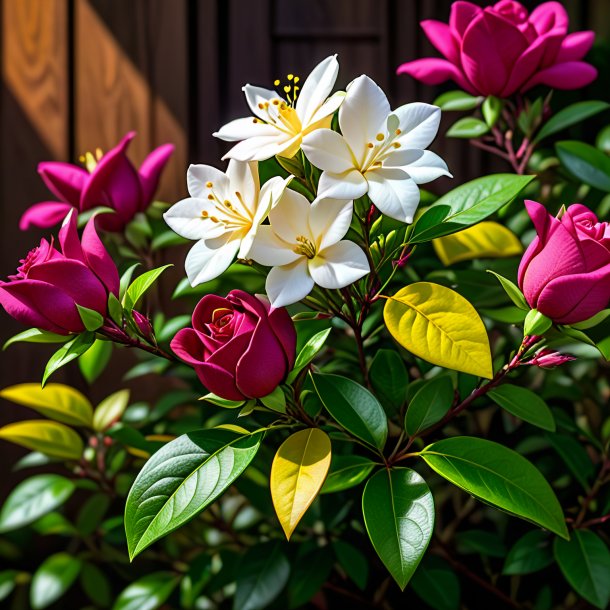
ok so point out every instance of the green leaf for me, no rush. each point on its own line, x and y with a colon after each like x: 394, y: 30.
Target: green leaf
x: 53, y: 578
x: 126, y: 280
x: 390, y: 380
x: 585, y: 563
x: 353, y: 407
x: 574, y: 455
x: 140, y: 285
x: 354, y: 563
x: 8, y: 580
x: 530, y: 553
x: 524, y: 404
x: 429, y: 405
x: 56, y: 401
x: 68, y: 352
x: 110, y: 410
x: 399, y: 516
x: 33, y: 498
x: 147, y: 593
x: 36, y: 335
x: 96, y: 585
x: 586, y: 163
x: 167, y: 239
x: 276, y: 401
x: 92, y: 513
x: 308, y: 353
x: 466, y: 205
x: 512, y: 290
x: 90, y: 318
x: 468, y: 127
x: 593, y: 321
x: 499, y: 476
x: 115, y: 309
x: 48, y: 437
x: 222, y: 402
x: 457, y: 100
x: 492, y: 108
x: 346, y: 471
x: 536, y: 323
x: 436, y: 584
x: 572, y: 115
x: 480, y: 542
x: 93, y: 362
x: 308, y: 575
x: 181, y: 479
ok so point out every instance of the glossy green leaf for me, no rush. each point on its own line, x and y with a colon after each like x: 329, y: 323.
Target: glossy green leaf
x: 530, y: 553
x: 181, y: 479
x: 524, y: 404
x: 346, y: 471
x: 48, y: 437
x: 585, y: 563
x: 36, y: 335
x: 491, y: 109
x: 96, y: 585
x: 498, y: 476
x: 68, y: 352
x: 430, y: 404
x: 399, y: 516
x: 308, y: 353
x: 140, y: 286
x: 110, y: 410
x: 52, y: 579
x: 90, y: 318
x: 91, y: 513
x: 32, y: 498
x: 574, y: 455
x: 308, y: 574
x: 572, y: 115
x: 467, y: 127
x: 353, y: 407
x: 126, y: 279
x: 93, y: 362
x: 457, y: 100
x: 263, y: 573
x: 512, y: 290
x: 466, y: 205
x: 147, y: 593
x: 436, y: 584
x: 390, y: 380
x: 276, y: 400
x: 480, y: 542
x: 586, y: 163
x: 353, y: 562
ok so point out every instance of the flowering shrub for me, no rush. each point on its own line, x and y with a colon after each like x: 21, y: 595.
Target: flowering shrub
x: 340, y: 411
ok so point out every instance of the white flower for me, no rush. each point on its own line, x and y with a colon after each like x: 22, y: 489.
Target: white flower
x: 303, y: 244
x: 381, y: 152
x: 278, y: 128
x: 224, y: 213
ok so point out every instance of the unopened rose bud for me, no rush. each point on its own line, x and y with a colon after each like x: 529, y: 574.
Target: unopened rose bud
x: 143, y: 324
x: 548, y: 359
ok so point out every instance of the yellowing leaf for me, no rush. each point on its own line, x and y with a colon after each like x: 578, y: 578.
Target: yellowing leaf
x: 48, y: 437
x: 439, y: 325
x: 297, y: 473
x: 55, y: 400
x: 484, y: 240
x: 110, y: 410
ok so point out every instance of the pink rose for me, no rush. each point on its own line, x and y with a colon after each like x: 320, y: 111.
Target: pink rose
x: 239, y: 346
x: 501, y: 49
x: 114, y: 183
x: 49, y: 284
x: 565, y: 272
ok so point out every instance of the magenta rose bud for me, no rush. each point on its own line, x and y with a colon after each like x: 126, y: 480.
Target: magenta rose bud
x: 239, y: 346
x: 50, y: 283
x: 565, y: 272
x: 548, y: 359
x: 112, y: 182
x: 143, y: 323
x: 502, y: 49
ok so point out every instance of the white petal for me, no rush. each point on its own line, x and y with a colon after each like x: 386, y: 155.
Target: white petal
x: 268, y: 249
x: 427, y: 168
x: 204, y: 263
x: 329, y: 220
x: 260, y: 148
x: 269, y: 197
x: 243, y: 178
x: 259, y: 95
x: 348, y: 185
x: 362, y: 114
x: 393, y: 192
x: 419, y: 124
x: 241, y: 129
x: 401, y: 157
x: 289, y: 284
x: 339, y: 266
x: 328, y: 107
x: 290, y: 217
x: 317, y: 88
x: 185, y: 219
x: 328, y: 150
x: 198, y: 176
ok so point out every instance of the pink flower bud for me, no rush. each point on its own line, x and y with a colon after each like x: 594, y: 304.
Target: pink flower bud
x: 143, y: 324
x: 548, y: 359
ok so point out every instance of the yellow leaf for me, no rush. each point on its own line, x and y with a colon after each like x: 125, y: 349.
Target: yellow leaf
x: 110, y: 410
x: 48, y: 437
x: 484, y: 240
x: 297, y: 473
x: 439, y: 325
x: 55, y: 400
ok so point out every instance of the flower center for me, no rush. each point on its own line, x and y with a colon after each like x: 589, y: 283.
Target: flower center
x: 90, y: 160
x: 221, y: 322
x: 281, y: 115
x: 305, y: 247
x: 231, y: 215
x: 379, y: 149
x: 291, y: 88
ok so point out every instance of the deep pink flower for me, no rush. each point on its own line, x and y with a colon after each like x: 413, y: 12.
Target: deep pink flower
x: 239, y: 346
x: 114, y: 183
x: 49, y: 284
x: 565, y: 272
x: 501, y: 49
x: 549, y: 359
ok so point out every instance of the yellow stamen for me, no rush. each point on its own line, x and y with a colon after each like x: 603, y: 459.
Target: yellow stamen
x: 398, y: 132
x: 276, y: 82
x: 371, y: 145
x: 379, y: 137
x: 305, y: 247
x: 209, y: 184
x: 396, y: 145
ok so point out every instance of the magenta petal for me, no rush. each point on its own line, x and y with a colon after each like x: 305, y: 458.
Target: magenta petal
x: 68, y: 238
x: 219, y: 381
x: 188, y: 346
x: 284, y: 330
x: 462, y: 15
x: 64, y: 180
x: 98, y: 259
x: 575, y: 46
x: 229, y: 354
x: 550, y: 16
x: 264, y: 354
x: 150, y: 171
x: 46, y: 214
x: 433, y: 71
x: 441, y: 37
x: 204, y: 309
x: 574, y: 298
x: 568, y: 75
